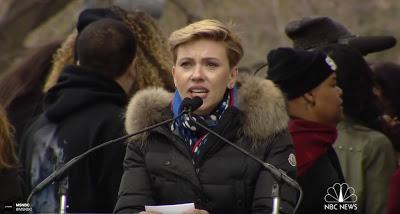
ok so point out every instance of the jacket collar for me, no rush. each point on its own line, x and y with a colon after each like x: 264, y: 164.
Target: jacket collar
x: 262, y: 103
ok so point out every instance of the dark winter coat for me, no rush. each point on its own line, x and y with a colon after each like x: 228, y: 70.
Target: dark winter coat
x: 159, y: 168
x: 11, y: 189
x: 85, y: 109
x: 325, y: 173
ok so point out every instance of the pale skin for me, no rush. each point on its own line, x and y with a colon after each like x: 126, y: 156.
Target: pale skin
x: 202, y: 69
x: 323, y: 104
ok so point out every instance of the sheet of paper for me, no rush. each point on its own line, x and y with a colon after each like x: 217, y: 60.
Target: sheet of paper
x: 171, y: 209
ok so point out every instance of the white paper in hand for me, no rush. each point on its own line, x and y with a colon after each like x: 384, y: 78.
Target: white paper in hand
x: 171, y: 209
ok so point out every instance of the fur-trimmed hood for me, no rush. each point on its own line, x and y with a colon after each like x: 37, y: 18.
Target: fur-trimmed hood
x: 262, y: 103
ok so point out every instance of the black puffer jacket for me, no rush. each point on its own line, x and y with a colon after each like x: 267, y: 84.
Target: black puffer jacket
x: 85, y: 109
x: 159, y: 168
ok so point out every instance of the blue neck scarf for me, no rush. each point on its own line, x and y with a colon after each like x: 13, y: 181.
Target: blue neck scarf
x: 195, y: 137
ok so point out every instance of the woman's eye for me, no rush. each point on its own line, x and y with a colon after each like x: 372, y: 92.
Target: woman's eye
x: 185, y: 64
x: 212, y: 65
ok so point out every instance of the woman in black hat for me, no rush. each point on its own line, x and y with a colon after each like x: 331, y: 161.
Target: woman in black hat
x: 308, y: 80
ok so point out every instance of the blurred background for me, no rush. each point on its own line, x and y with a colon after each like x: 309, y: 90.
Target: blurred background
x: 25, y: 25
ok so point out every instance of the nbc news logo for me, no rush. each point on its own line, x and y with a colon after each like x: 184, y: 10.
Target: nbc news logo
x: 340, y: 197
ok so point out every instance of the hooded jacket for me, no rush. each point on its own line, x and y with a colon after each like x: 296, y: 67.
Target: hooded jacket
x: 159, y: 169
x: 84, y: 109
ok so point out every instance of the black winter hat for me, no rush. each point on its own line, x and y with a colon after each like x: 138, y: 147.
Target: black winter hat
x: 314, y: 32
x: 93, y: 14
x: 298, y: 71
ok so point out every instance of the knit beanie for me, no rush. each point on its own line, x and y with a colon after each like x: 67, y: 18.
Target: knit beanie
x: 298, y: 71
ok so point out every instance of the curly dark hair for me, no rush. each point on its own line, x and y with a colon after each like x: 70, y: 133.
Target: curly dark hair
x: 355, y: 78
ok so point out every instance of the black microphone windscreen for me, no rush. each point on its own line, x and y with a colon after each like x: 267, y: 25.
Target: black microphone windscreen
x: 192, y: 104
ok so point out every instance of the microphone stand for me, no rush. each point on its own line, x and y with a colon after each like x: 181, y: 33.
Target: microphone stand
x: 62, y: 191
x: 62, y: 188
x: 59, y: 174
x: 278, y: 174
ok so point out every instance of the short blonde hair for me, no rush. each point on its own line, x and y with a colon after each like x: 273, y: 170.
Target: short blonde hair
x: 208, y: 29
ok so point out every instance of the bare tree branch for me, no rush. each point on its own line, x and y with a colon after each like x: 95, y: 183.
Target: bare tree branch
x: 21, y: 18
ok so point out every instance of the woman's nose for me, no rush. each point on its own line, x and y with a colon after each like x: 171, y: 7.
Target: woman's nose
x: 340, y: 91
x: 198, y: 73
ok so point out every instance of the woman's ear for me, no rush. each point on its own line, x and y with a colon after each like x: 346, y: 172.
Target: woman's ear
x: 173, y: 74
x: 377, y: 91
x: 133, y: 69
x: 233, y: 77
x: 309, y: 97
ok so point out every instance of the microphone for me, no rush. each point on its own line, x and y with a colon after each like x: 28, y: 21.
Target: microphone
x: 191, y: 104
x: 278, y: 174
x: 59, y: 173
x: 370, y: 44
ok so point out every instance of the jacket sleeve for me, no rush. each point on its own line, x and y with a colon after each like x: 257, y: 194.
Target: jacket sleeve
x: 281, y: 155
x: 135, y: 188
x: 380, y: 164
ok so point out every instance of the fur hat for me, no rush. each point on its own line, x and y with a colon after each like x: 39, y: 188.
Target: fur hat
x: 314, y: 32
x: 298, y: 71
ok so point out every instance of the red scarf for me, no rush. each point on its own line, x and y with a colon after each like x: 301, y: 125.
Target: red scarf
x: 311, y: 140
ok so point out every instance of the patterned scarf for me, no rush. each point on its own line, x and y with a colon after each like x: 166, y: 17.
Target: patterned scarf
x: 194, y: 135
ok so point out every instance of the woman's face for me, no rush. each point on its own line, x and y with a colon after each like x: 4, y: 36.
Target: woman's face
x: 328, y: 102
x: 202, y: 69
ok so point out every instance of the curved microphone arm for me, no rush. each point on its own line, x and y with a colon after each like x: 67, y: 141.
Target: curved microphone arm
x: 59, y: 173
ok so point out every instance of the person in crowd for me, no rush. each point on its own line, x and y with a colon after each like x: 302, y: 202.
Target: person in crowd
x: 360, y: 144
x: 182, y: 163
x: 314, y: 32
x: 11, y: 184
x: 83, y: 110
x: 365, y: 153
x: 308, y: 79
x: 21, y: 88
x: 153, y: 59
x: 387, y: 77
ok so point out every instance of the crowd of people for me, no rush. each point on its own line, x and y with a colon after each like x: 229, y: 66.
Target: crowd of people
x: 321, y: 127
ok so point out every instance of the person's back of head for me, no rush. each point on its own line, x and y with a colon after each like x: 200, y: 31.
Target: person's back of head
x: 387, y: 79
x: 153, y: 57
x: 106, y: 46
x: 354, y: 77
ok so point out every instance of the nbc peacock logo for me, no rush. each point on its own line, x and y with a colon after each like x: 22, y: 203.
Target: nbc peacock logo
x: 340, y: 196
